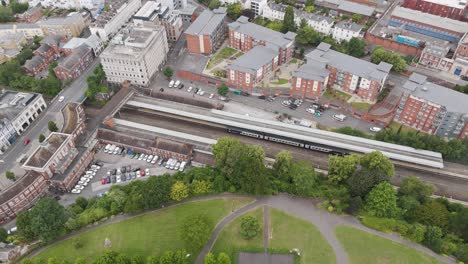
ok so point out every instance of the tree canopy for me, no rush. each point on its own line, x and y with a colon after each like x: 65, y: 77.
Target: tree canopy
x: 398, y: 62
x: 288, y: 22
x: 382, y: 201
x: 308, y: 36
x: 234, y: 11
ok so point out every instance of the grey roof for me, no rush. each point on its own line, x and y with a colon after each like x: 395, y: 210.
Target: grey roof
x: 19, y: 26
x: 428, y: 19
x: 351, y: 26
x: 277, y: 7
x: 437, y: 49
x: 44, y: 48
x: 33, y: 62
x: 33, y: 9
x: 356, y: 8
x: 316, y: 71
x: 242, y: 25
x: 67, y: 20
x: 78, y: 53
x: 254, y: 59
x: 313, y: 16
x: 207, y: 22
x: 362, y: 68
x: 454, y: 101
x: 52, y: 40
x: 12, y: 103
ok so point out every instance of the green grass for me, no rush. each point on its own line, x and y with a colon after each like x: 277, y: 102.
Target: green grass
x: 220, y: 56
x: 361, y: 106
x: 294, y: 61
x: 289, y: 232
x: 395, y: 126
x: 145, y: 235
x: 363, y: 247
x: 335, y: 94
x: 231, y: 242
x: 280, y: 81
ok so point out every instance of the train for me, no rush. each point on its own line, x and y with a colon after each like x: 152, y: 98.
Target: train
x: 288, y: 141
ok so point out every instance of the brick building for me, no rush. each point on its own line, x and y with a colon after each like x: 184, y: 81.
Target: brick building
x: 310, y: 81
x: 349, y: 74
x: 433, y: 109
x: 32, y: 15
x: 46, y: 53
x: 75, y: 64
x: 93, y: 41
x: 207, y: 32
x: 435, y: 55
x: 244, y: 36
x: 454, y: 9
x: 67, y: 27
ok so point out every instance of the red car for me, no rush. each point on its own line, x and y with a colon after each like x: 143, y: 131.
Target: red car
x: 26, y: 141
x: 103, y: 180
x: 142, y: 173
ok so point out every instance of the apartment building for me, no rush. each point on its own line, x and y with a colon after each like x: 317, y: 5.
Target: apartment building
x: 257, y: 6
x: 244, y: 36
x: 135, y: 55
x: 174, y: 4
x: 453, y: 9
x: 29, y: 30
x: 349, y: 74
x: 433, y: 109
x: 250, y: 69
x: 67, y: 27
x: 310, y: 81
x: 207, y: 32
x: 345, y: 30
x: 75, y: 64
x: 155, y: 13
x: 109, y: 22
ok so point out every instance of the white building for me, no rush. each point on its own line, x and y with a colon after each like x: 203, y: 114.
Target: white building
x: 345, y: 30
x: 92, y: 41
x: 109, y: 22
x: 246, y: 4
x: 257, y: 6
x: 65, y: 4
x: 135, y: 55
x: 174, y: 4
x: 17, y: 111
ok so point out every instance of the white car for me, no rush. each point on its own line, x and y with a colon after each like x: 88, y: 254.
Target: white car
x: 176, y: 84
x: 153, y: 161
x: 286, y: 103
x: 190, y: 89
x: 149, y: 158
x: 77, y: 191
x: 375, y: 129
x: 171, y: 84
x: 79, y: 187
x: 211, y: 96
x: 202, y: 93
x: 142, y: 157
x: 310, y: 110
x: 138, y: 174
x: 118, y: 179
x: 61, y: 98
x: 146, y: 171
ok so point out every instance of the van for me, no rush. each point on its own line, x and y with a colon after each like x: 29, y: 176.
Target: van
x: 182, y: 166
x: 176, y: 84
x: 106, y: 149
x: 176, y: 167
x: 173, y: 163
x: 340, y: 117
x: 168, y: 163
x: 171, y: 84
x: 111, y: 149
x: 116, y: 150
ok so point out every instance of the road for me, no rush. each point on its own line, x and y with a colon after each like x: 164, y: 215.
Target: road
x: 72, y: 93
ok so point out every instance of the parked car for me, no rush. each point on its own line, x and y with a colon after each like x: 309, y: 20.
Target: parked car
x: 113, y: 178
x: 310, y: 110
x: 293, y: 107
x: 202, y: 93
x: 196, y: 90
x: 79, y: 187
x: 375, y: 129
x: 182, y: 166
x: 129, y: 168
x: 171, y: 84
x: 176, y: 84
x: 189, y: 89
x: 149, y: 158
x: 155, y: 158
x: 61, y: 98
x: 147, y: 171
x: 138, y: 173
x: 181, y: 86
x: 286, y: 103
x: 339, y: 117
x: 27, y: 141
x: 75, y: 191
x: 160, y: 162
x: 123, y: 169
x: 211, y: 96
x: 245, y: 93
x: 176, y: 167
x: 123, y: 177
x: 103, y: 180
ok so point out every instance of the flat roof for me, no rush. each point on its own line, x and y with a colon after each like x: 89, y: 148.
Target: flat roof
x: 254, y: 59
x: 356, y: 8
x: 351, y: 26
x: 46, y: 150
x: 312, y: 71
x: 13, y: 103
x: 66, y: 20
x: 147, y: 10
x: 451, y: 3
x: 429, y: 19
x: 207, y: 22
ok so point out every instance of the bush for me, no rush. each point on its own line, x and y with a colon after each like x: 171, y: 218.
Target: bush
x: 250, y: 227
x: 433, y: 238
x: 77, y: 244
x: 462, y: 253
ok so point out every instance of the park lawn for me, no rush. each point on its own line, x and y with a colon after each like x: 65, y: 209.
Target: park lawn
x: 145, y: 235
x: 220, y: 56
x: 281, y: 81
x: 363, y: 247
x: 230, y: 241
x: 361, y: 106
x: 288, y: 232
x: 335, y: 94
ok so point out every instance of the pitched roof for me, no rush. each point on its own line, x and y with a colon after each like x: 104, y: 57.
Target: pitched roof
x: 207, y: 22
x: 254, y: 59
x: 351, y: 26
x: 33, y: 62
x: 52, y: 40
x: 78, y: 53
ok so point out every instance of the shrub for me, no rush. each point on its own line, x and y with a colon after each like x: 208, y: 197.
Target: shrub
x: 77, y: 244
x: 433, y: 238
x: 416, y: 233
x: 250, y: 227
x: 386, y: 225
x: 462, y: 253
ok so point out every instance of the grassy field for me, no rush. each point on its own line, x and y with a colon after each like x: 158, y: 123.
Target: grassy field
x: 361, y: 106
x: 220, y: 56
x: 288, y: 232
x: 335, y: 94
x: 280, y: 81
x: 363, y: 247
x: 145, y: 235
x: 230, y: 241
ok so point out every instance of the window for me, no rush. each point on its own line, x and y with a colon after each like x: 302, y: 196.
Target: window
x: 247, y: 78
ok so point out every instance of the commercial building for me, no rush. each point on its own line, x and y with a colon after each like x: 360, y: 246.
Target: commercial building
x: 110, y: 21
x: 75, y: 63
x: 427, y: 24
x: 135, y: 55
x: 244, y: 36
x: 453, y: 9
x: 349, y: 74
x: 347, y: 7
x: 8, y: 134
x: 435, y: 55
x: 29, y: 30
x: 93, y: 41
x: 433, y: 109
x: 345, y: 30
x: 250, y: 69
x: 155, y: 13
x: 20, y: 109
x: 207, y: 32
x: 68, y: 27
x: 310, y: 80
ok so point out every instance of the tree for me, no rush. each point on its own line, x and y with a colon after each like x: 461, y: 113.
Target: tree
x: 462, y: 253
x: 3, y: 234
x: 288, y: 22
x: 414, y: 187
x: 304, y: 179
x: 308, y: 36
x: 223, y: 258
x: 249, y: 228
x: 10, y: 71
x: 382, y: 201
x: 223, y: 90
x: 356, y: 18
x: 303, y: 23
x: 52, y: 126
x: 310, y: 8
x: 430, y: 213
x: 377, y: 162
x: 283, y: 164
x: 214, y: 4
x: 24, y: 55
x: 363, y: 181
x: 51, y: 68
x: 18, y: 8
x: 6, y: 15
x: 41, y: 138
x: 341, y: 168
x: 459, y: 223
x: 179, y: 191
x: 356, y: 47
x: 195, y: 232
x: 310, y: 2
x: 433, y: 238
x: 200, y: 187
x: 10, y: 175
x: 398, y: 62
x: 234, y: 10
x: 210, y: 259
x: 168, y: 72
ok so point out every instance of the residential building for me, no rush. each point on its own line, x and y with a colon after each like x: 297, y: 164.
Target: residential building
x: 109, y: 22
x: 257, y: 6
x: 154, y: 13
x: 29, y: 30
x: 349, y: 74
x: 174, y: 4
x: 435, y: 55
x: 345, y: 30
x: 75, y: 64
x: 274, y: 11
x: 207, y: 32
x: 93, y: 41
x: 453, y: 9
x: 244, y: 36
x: 427, y: 24
x: 68, y: 27
x: 20, y: 109
x: 35, y: 65
x: 188, y: 13
x: 32, y: 15
x: 135, y: 55
x: 433, y: 109
x: 65, y: 4
x: 347, y: 7
x: 250, y: 69
x: 310, y: 80
x: 46, y: 53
